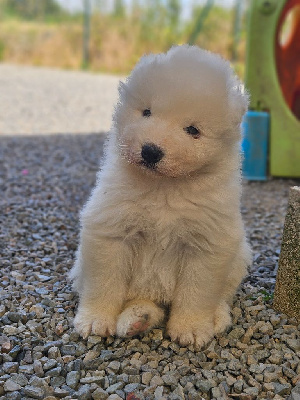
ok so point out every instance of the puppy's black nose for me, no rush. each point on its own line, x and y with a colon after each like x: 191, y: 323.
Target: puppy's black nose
x: 151, y: 154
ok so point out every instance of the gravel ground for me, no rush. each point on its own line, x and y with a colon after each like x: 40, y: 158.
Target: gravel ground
x: 43, y: 183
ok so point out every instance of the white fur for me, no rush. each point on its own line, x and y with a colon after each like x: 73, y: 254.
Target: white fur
x: 171, y: 235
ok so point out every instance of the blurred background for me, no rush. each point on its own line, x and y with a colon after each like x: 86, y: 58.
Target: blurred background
x: 111, y: 35
x: 61, y: 62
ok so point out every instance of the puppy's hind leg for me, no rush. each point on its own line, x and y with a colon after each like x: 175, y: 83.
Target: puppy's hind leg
x: 138, y: 317
x: 222, y: 319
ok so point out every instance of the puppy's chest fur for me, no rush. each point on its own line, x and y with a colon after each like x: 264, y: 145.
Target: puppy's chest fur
x: 162, y: 224
x: 163, y: 233
x: 156, y: 251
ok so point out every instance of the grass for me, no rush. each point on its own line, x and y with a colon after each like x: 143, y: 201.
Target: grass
x: 266, y: 295
x: 116, y: 43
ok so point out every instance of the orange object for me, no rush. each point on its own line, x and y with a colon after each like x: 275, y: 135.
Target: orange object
x: 273, y: 78
x: 287, y: 52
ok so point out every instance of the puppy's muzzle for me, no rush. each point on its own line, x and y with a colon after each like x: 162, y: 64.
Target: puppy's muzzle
x: 151, y: 155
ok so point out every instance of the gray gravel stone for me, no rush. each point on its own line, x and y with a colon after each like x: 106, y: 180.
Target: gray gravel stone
x: 68, y: 349
x: 20, y: 379
x: 26, y: 369
x: 170, y: 379
x: 52, y: 346
x: 204, y: 386
x: 282, y: 389
x: 131, y: 387
x: 61, y: 393
x: 34, y: 392
x: 84, y: 393
x: 10, y: 367
x: 49, y: 364
x: 252, y: 391
x: 100, y: 394
x: 92, y: 379
x: 15, y: 350
x: 53, y: 372
x: 146, y: 378
x: 54, y: 352
x: 114, y: 397
x: 114, y: 366
x: 72, y: 379
x: 294, y: 344
x: 13, y: 396
x: 158, y: 393
x: 57, y: 381
x: 14, y: 316
x: 38, y: 368
x: 216, y: 393
x: 11, y: 386
x: 295, y: 393
x: 113, y: 388
x: 236, y: 333
x: 156, y: 381
x: 239, y: 385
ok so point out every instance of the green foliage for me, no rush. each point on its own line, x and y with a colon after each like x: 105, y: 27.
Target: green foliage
x: 173, y: 12
x: 2, y: 48
x: 118, y: 38
x: 119, y: 9
x: 32, y: 9
x: 201, y: 16
x: 267, y: 296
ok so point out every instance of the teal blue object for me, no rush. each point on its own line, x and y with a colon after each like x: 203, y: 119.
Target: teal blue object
x: 255, y: 128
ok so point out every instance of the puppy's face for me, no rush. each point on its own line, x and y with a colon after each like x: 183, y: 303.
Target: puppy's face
x: 179, y: 112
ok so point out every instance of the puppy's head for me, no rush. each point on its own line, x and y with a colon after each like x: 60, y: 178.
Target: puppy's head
x: 179, y: 112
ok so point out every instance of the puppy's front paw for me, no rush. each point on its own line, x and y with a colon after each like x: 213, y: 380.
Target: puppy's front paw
x: 138, y: 317
x: 190, y: 330
x: 98, y: 323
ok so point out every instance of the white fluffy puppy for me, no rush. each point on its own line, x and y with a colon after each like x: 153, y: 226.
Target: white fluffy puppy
x: 163, y: 224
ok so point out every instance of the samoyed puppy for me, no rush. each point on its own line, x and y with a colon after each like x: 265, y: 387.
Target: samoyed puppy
x: 163, y: 225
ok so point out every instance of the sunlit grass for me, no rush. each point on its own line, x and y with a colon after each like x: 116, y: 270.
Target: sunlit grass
x: 115, y: 43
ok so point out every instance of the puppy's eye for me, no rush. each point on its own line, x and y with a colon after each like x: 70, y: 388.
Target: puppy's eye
x: 147, y: 112
x: 193, y: 131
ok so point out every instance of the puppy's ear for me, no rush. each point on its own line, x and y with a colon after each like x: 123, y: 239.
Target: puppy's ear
x: 122, y: 89
x: 238, y: 99
x: 125, y: 95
